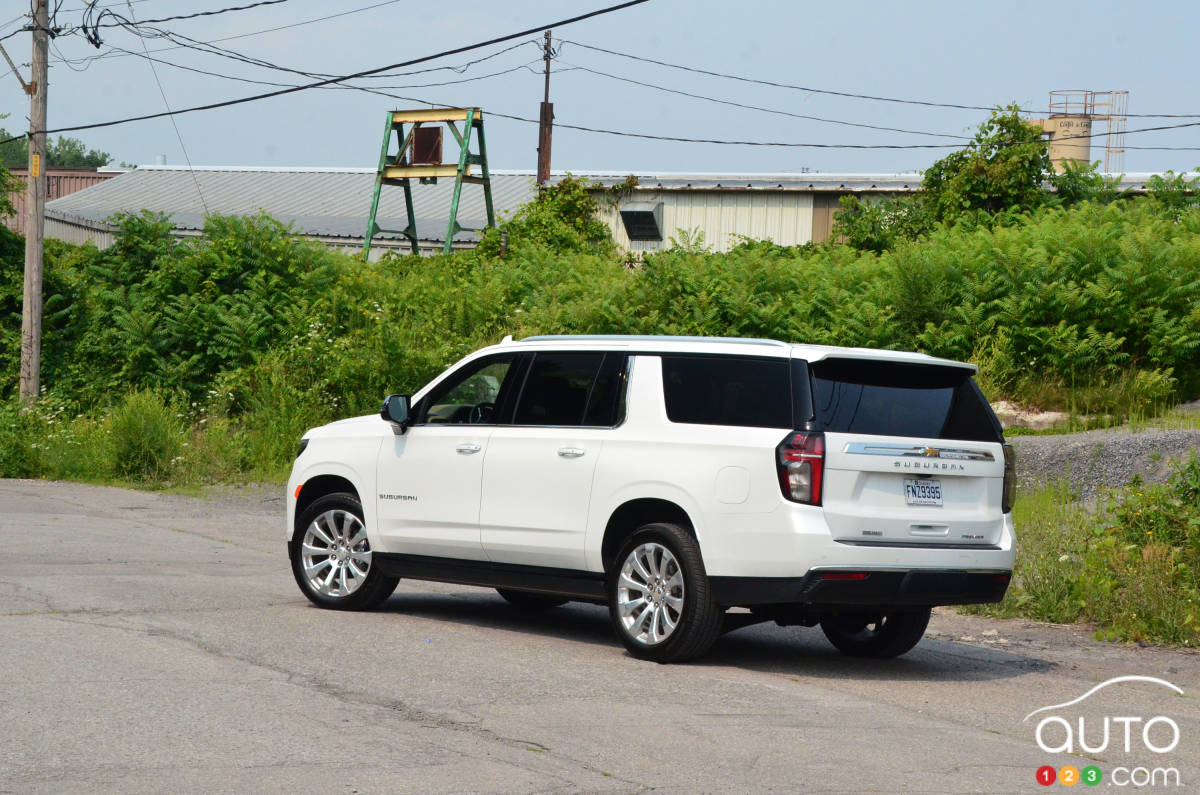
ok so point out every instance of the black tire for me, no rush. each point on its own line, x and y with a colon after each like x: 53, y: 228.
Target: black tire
x: 681, y: 594
x: 879, y: 636
x: 320, y: 524
x: 531, y: 601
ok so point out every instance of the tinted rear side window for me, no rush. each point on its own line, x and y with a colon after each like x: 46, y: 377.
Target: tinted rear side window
x: 713, y: 390
x: 606, y: 406
x: 892, y: 399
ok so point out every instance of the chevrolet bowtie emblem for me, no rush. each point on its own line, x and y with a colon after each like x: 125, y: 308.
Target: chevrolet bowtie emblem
x: 931, y: 452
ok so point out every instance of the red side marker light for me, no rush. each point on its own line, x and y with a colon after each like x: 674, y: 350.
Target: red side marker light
x: 844, y: 575
x: 297, y: 494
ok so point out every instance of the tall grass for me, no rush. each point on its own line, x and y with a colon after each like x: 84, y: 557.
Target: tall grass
x: 1130, y: 566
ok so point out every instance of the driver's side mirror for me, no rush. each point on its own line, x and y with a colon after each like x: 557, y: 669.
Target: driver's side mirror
x: 395, y: 411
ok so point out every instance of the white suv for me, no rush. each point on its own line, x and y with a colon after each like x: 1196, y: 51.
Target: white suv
x: 672, y: 478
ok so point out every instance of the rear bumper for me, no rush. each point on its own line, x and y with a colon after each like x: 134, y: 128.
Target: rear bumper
x: 822, y: 588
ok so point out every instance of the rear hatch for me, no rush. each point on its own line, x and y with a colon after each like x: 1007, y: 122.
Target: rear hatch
x: 914, y: 455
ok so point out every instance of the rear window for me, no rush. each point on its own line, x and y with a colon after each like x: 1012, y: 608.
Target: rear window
x: 893, y: 399
x: 717, y: 390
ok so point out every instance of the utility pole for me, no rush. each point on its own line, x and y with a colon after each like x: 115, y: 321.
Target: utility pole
x: 35, y: 219
x: 545, y: 125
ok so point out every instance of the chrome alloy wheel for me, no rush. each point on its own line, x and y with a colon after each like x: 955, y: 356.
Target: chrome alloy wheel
x: 650, y: 593
x: 335, y: 553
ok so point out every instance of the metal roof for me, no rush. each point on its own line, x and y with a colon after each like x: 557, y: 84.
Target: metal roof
x: 804, y: 181
x: 325, y: 202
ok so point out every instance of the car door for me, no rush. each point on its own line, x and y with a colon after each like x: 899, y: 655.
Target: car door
x: 430, y: 477
x: 537, y: 472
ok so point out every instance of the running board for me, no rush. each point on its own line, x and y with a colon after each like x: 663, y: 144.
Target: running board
x: 578, y: 586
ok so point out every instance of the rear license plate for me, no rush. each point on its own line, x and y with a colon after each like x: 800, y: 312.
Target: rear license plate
x: 922, y: 492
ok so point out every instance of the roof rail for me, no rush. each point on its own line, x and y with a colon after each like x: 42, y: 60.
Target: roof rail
x: 649, y: 338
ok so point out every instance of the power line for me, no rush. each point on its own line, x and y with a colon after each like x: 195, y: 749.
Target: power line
x: 211, y: 49
x: 676, y: 139
x: 628, y: 134
x: 178, y: 135
x: 775, y: 84
x: 364, y: 73
x: 109, y: 54
x: 110, y: 5
x: 73, y: 68
x: 240, y: 79
x: 848, y: 94
x: 624, y: 133
x: 762, y: 109
x: 224, y: 52
x: 208, y: 48
x: 784, y: 144
x: 13, y: 21
x: 378, y: 90
x: 181, y: 16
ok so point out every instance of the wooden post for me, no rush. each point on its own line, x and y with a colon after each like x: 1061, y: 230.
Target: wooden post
x: 545, y: 125
x: 35, y: 203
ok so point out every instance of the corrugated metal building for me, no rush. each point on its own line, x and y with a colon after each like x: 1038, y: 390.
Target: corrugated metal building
x: 331, y: 204
x: 59, y: 182
x: 789, y: 209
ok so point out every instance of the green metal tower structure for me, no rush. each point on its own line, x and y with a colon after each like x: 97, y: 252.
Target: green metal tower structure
x: 419, y: 157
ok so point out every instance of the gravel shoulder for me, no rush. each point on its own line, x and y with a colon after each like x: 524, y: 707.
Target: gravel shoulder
x: 1092, y: 461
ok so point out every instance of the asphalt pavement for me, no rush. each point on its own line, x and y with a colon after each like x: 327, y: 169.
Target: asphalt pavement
x: 157, y: 643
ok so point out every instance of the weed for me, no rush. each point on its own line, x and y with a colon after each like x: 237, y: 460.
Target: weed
x: 145, y: 438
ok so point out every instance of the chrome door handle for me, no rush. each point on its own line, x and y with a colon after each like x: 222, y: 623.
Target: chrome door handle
x: 571, y: 452
x: 467, y: 448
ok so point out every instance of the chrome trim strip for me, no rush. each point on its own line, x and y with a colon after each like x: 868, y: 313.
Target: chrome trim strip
x: 914, y: 545
x: 917, y: 569
x: 918, y: 451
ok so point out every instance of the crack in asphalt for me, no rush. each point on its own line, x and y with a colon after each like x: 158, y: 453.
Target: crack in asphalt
x: 24, y: 591
x: 406, y: 712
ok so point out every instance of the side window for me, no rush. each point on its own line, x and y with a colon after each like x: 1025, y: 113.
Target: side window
x: 558, y: 389
x: 714, y: 390
x: 471, y: 396
x: 606, y: 407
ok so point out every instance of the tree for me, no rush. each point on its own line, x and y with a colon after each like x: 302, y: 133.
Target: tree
x: 61, y: 151
x: 72, y: 152
x: 1004, y: 167
x: 8, y: 184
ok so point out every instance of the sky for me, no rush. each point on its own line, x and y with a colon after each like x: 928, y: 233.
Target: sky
x: 965, y: 53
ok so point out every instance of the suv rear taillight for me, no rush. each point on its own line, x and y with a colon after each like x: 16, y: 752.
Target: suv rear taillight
x: 801, y: 458
x: 1010, y: 479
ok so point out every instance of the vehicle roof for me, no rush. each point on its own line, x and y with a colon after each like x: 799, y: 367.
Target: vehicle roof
x: 744, y: 346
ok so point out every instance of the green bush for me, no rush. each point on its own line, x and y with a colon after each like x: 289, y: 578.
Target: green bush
x: 146, y: 438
